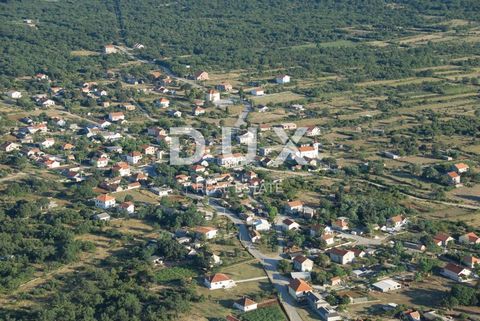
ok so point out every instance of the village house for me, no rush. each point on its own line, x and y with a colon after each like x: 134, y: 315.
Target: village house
x: 201, y: 76
x: 245, y: 304
x: 212, y: 95
x: 442, y: 239
x: 10, y: 147
x: 341, y: 256
x: 298, y: 288
x: 257, y: 92
x: 105, y: 201
x: 206, y: 232
x: 134, y: 157
x: 294, y: 207
x: 225, y: 86
x: 265, y: 127
x: 14, y: 94
x: 282, y: 79
x: 121, y: 168
x: 247, y: 138
x: 288, y: 225
x: 109, y: 49
x: 453, y: 178
x: 470, y: 261
x: 197, y: 111
x: 340, y: 224
x: 302, y: 263
x: 104, y: 217
x: 456, y: 272
x: 67, y: 146
x: 312, y: 131
x: 116, y: 116
x: 469, y: 238
x: 219, y: 281
x: 156, y: 131
x: 161, y: 191
x: 100, y: 162
x: 397, y: 221
x: 307, y: 152
x: 148, y: 149
x: 231, y: 160
x: 288, y: 126
x: 47, y: 143
x: 50, y: 163
x: 412, y: 315
x: 163, y: 102
x: 461, y: 168
x: 329, y: 238
x: 261, y: 225
x: 127, y: 207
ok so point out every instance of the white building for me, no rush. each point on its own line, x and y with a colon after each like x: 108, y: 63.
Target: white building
x: 298, y: 288
x: 456, y: 272
x: 282, y: 79
x: 128, y: 207
x: 105, y: 201
x: 245, y: 304
x: 302, y: 263
x: 231, y: 160
x: 247, y: 138
x: 14, y: 94
x: 134, y: 157
x: 341, y: 256
x: 102, y: 217
x: 213, y: 95
x: 219, y: 281
x: 118, y: 116
x: 261, y: 225
x: 387, y: 285
x: 206, y: 231
x: 257, y: 92
x: 164, y: 102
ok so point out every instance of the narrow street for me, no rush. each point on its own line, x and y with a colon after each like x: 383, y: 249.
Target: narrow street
x: 269, y: 263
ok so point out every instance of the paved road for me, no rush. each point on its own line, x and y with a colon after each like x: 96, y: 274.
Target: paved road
x: 244, y: 114
x: 269, y: 263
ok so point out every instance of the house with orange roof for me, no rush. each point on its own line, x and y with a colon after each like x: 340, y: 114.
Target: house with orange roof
x: 396, y: 221
x: 470, y: 261
x: 134, y: 157
x: 412, y: 315
x: 163, y: 102
x: 469, y: 238
x: 121, y: 168
x: 294, y: 207
x: 453, y: 178
x: 245, y: 304
x: 442, y: 239
x: 340, y: 224
x: 105, y: 201
x: 219, y: 281
x: 116, y: 116
x: 461, y: 168
x: 298, y: 288
x: 206, y: 231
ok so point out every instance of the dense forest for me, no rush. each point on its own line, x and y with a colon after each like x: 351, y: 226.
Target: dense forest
x: 305, y: 36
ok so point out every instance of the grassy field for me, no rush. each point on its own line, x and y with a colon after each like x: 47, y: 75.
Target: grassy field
x: 283, y: 97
